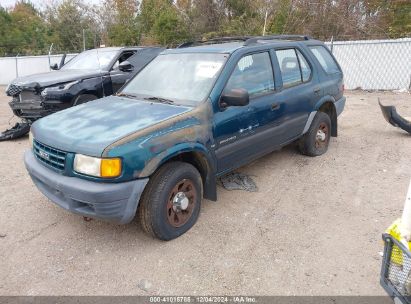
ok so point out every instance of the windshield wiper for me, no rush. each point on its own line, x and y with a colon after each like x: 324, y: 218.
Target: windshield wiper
x: 160, y: 99
x: 127, y: 95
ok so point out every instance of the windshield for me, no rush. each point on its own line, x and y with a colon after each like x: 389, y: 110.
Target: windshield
x: 180, y: 78
x: 91, y: 60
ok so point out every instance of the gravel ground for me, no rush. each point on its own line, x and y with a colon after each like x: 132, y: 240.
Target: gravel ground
x: 313, y: 228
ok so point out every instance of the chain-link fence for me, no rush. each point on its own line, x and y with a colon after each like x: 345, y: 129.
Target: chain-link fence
x: 367, y: 64
x: 374, y: 64
x: 13, y: 67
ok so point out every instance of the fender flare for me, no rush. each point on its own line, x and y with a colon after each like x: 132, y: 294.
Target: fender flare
x: 75, y: 99
x: 316, y: 108
x: 88, y: 86
x: 206, y: 161
x: 323, y: 100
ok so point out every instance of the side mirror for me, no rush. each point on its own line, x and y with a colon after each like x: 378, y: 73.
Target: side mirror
x: 234, y: 97
x: 54, y: 66
x: 125, y: 66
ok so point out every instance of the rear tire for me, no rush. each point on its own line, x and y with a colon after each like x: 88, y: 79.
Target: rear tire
x: 170, y: 204
x: 83, y: 99
x: 315, y: 142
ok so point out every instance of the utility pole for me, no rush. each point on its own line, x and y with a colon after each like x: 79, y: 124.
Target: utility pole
x: 84, y: 40
x: 265, y: 21
x: 17, y: 65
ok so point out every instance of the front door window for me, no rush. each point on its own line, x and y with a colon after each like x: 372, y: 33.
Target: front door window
x: 253, y: 73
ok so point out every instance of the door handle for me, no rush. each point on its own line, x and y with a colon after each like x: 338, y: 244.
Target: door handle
x: 275, y: 106
x: 317, y: 90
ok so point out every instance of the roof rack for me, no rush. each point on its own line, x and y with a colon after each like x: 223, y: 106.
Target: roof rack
x: 214, y: 40
x: 276, y: 37
x: 246, y: 39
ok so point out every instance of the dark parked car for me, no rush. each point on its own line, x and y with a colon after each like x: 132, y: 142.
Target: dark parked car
x: 90, y: 75
x: 192, y: 115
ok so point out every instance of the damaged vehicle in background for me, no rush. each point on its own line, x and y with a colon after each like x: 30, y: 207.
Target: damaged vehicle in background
x: 90, y: 75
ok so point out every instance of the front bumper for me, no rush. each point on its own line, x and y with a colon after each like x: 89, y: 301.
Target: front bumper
x: 114, y: 202
x: 28, y: 110
x: 36, y: 110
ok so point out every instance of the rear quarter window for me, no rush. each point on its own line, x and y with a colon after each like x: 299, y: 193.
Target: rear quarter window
x: 293, y: 66
x: 325, y: 59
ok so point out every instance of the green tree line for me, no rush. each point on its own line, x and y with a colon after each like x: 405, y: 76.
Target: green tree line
x: 71, y: 25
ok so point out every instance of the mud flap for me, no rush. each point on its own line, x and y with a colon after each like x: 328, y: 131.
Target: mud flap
x: 20, y: 129
x: 390, y: 114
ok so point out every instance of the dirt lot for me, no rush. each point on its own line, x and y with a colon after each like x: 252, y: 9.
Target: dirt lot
x: 314, y: 227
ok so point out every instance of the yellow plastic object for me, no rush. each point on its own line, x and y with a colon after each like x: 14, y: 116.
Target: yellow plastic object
x: 110, y: 167
x: 394, y: 231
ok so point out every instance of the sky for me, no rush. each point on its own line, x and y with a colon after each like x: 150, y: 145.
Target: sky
x: 37, y: 3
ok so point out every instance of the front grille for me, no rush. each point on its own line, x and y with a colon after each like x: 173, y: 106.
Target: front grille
x: 30, y: 96
x: 13, y: 90
x: 50, y: 156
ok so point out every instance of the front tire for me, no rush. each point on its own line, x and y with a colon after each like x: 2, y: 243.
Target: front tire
x: 171, y: 202
x: 315, y: 142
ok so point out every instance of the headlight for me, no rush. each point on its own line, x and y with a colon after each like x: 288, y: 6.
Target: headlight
x: 31, y: 140
x: 61, y: 87
x: 99, y: 167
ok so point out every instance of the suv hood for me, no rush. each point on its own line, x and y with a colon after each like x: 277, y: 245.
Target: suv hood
x: 54, y: 77
x: 89, y: 128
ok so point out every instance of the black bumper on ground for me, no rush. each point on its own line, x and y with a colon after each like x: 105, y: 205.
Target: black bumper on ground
x: 392, y: 117
x: 114, y: 202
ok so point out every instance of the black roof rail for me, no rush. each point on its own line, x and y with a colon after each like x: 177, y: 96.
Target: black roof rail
x: 246, y: 39
x: 275, y: 37
x: 214, y: 40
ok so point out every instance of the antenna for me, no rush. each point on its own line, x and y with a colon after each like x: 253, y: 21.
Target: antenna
x: 99, y: 70
x: 51, y: 48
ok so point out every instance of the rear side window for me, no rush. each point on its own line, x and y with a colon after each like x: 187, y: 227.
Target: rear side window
x: 253, y: 73
x: 294, y: 67
x: 325, y: 59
